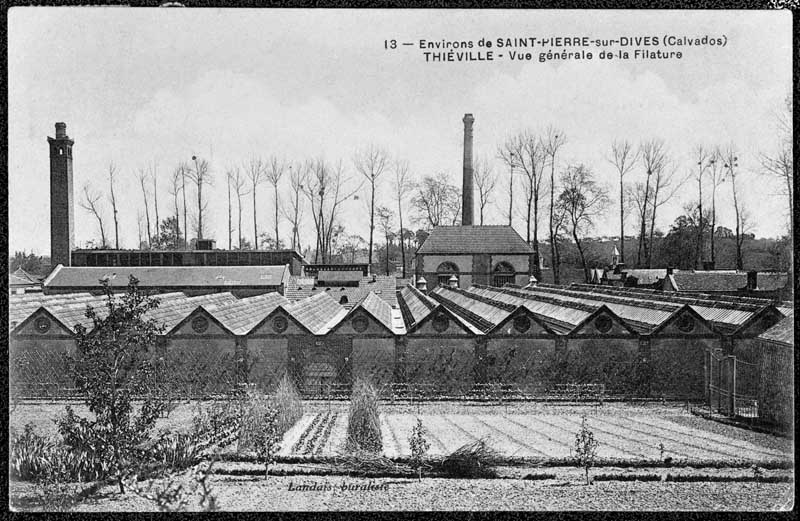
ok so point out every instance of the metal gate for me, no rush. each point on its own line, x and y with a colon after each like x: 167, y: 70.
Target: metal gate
x: 731, y: 385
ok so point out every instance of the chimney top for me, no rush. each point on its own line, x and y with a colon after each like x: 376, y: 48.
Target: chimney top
x: 468, y: 118
x: 61, y: 130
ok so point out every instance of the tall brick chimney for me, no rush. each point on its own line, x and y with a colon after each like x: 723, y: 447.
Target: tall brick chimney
x: 466, y: 186
x: 62, y: 213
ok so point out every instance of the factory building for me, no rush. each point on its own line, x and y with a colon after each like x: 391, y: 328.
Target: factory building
x: 469, y: 254
x: 634, y: 342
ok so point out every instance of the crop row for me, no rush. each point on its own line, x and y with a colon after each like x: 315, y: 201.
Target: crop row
x: 300, y: 446
x: 314, y: 439
x: 712, y: 438
x: 330, y: 420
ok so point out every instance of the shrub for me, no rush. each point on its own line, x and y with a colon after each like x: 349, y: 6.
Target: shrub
x: 628, y: 477
x: 363, y: 424
x: 31, y: 455
x: 174, y: 496
x: 267, y: 437
x: 288, y: 403
x: 538, y: 477
x: 473, y: 460
x: 419, y: 446
x: 585, y: 448
x: 112, y: 365
x: 253, y: 407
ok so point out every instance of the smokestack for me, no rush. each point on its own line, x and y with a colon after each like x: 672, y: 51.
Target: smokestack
x: 62, y: 213
x: 466, y: 187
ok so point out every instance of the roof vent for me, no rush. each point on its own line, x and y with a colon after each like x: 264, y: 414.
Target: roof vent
x: 452, y: 281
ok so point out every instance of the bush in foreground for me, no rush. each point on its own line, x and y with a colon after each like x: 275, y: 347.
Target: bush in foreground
x: 363, y: 424
x: 419, y: 446
x: 585, y: 448
x: 473, y: 460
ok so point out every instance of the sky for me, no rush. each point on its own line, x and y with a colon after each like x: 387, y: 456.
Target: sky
x: 157, y: 86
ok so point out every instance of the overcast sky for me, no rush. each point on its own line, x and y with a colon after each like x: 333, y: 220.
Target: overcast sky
x: 158, y: 85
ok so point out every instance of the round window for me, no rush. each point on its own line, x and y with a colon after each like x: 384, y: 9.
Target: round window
x: 686, y: 323
x: 42, y: 325
x: 199, y: 324
x: 360, y: 323
x: 522, y: 324
x: 603, y: 324
x: 441, y: 323
x: 280, y: 324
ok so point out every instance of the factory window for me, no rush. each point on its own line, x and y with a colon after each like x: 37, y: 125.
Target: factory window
x: 445, y: 271
x: 503, y: 274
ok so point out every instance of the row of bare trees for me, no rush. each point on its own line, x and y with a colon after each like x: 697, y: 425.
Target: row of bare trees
x: 648, y: 179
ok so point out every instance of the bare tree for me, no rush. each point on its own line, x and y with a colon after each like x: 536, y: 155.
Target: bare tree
x: 485, y: 181
x: 554, y: 140
x: 184, y: 169
x: 112, y: 172
x: 298, y: 178
x: 139, y: 225
x: 174, y: 190
x: 402, y: 187
x: 142, y: 176
x: 385, y: 220
x: 153, y: 171
x: 274, y: 174
x: 664, y: 185
x: 717, y: 178
x: 623, y: 158
x: 255, y: 170
x: 703, y: 158
x: 527, y: 151
x: 200, y: 176
x: 437, y: 201
x: 228, y: 182
x: 654, y: 160
x: 238, y: 181
x: 740, y: 212
x: 582, y: 199
x: 780, y: 165
x: 326, y: 190
x: 91, y: 203
x: 371, y: 164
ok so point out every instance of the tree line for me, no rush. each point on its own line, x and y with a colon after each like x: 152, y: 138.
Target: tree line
x: 565, y: 195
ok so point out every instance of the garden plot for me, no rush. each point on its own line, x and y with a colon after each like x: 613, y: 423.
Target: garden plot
x: 636, y: 438
x: 314, y: 437
x: 716, y: 445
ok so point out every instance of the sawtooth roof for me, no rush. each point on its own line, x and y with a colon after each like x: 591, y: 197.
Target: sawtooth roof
x: 782, y: 332
x: 383, y: 286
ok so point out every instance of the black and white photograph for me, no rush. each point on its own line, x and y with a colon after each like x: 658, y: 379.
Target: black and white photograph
x: 400, y: 259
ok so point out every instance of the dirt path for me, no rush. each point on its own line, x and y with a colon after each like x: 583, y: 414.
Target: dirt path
x: 239, y: 493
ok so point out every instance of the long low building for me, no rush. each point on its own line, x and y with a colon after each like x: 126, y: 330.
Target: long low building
x: 242, y: 281
x: 635, y: 342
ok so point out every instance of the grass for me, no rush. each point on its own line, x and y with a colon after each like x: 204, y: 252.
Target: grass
x: 288, y: 403
x: 255, y: 405
x: 363, y: 425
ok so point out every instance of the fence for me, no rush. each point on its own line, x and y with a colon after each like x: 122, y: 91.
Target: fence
x: 731, y: 385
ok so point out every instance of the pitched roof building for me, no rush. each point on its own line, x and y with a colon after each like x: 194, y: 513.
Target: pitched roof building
x: 491, y: 255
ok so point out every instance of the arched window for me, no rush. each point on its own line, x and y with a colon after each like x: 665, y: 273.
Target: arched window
x: 503, y: 273
x: 444, y: 272
x: 343, y: 300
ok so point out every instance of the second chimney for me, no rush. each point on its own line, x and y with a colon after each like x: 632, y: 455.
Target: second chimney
x: 466, y: 187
